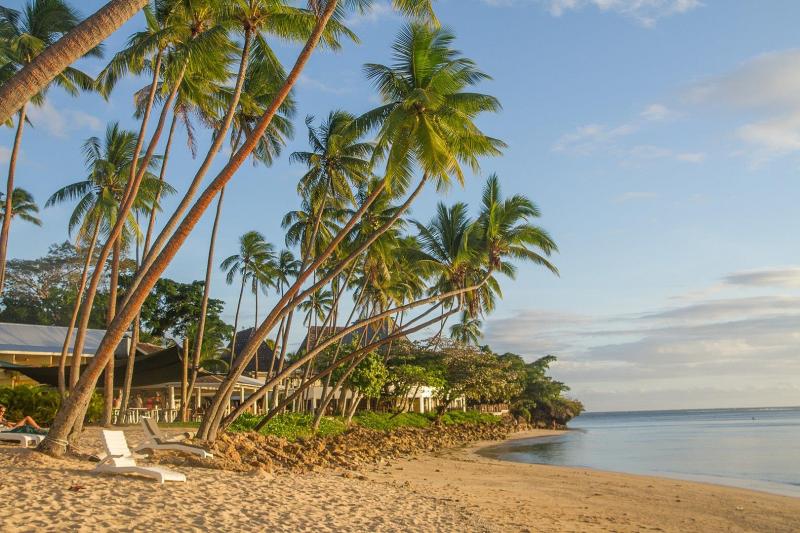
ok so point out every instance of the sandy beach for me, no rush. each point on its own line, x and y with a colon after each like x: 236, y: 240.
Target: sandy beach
x: 456, y: 489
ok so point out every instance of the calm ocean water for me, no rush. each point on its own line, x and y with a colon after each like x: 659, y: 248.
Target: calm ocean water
x: 751, y: 448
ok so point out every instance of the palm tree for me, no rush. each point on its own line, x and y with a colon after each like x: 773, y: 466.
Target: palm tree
x: 22, y: 206
x: 502, y: 232
x: 337, y: 163
x: 426, y: 119
x: 254, y: 19
x: 29, y: 33
x: 316, y: 308
x: 254, y: 251
x: 83, y: 39
x: 468, y: 330
x: 98, y: 197
x: 425, y: 122
x: 288, y: 267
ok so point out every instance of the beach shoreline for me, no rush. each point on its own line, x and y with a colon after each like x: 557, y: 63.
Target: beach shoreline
x: 447, y: 490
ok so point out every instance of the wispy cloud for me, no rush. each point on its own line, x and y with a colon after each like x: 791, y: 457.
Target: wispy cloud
x: 308, y: 82
x: 767, y: 88
x: 5, y: 154
x: 784, y: 278
x: 725, y: 342
x: 595, y: 138
x: 644, y: 12
x: 60, y: 122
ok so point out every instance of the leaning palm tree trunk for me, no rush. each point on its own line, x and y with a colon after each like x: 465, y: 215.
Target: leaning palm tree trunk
x: 126, y: 387
x: 76, y: 405
x: 12, y: 167
x: 282, y: 358
x: 201, y: 326
x: 171, y: 224
x: 62, y: 360
x: 36, y: 75
x: 122, y: 215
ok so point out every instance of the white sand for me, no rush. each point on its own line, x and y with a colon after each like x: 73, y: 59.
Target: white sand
x: 456, y: 490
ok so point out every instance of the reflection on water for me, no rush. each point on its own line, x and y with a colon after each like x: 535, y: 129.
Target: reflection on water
x: 756, y: 448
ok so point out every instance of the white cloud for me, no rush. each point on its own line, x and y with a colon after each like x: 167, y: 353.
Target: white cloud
x: 60, y: 122
x: 645, y: 12
x: 767, y: 88
x: 592, y: 137
x: 657, y: 112
x: 5, y: 154
x: 691, y: 157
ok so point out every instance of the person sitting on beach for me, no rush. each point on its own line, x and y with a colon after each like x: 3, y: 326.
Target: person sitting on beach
x: 26, y: 423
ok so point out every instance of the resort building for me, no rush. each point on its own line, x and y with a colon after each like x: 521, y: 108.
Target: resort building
x: 37, y: 346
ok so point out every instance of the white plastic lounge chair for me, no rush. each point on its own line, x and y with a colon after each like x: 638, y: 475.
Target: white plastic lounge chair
x: 120, y: 460
x: 156, y: 440
x: 26, y: 439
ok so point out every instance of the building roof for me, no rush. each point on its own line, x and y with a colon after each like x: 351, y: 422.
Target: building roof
x: 367, y: 334
x: 154, y: 370
x: 43, y: 340
x: 264, y: 357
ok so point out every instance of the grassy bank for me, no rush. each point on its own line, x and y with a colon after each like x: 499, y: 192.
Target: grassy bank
x: 294, y: 426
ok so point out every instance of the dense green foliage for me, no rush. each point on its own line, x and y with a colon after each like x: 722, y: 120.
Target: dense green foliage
x: 172, y: 309
x: 43, y: 291
x: 41, y: 404
x: 293, y: 426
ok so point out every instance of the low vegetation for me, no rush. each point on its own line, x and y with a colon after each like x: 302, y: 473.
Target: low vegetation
x: 294, y: 426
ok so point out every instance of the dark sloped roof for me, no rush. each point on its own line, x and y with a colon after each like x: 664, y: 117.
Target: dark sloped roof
x: 264, y: 357
x: 369, y: 333
x: 148, y: 369
x: 157, y: 368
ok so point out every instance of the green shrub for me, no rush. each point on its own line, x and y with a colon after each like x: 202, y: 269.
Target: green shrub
x: 388, y: 421
x: 41, y: 403
x: 290, y: 426
x: 469, y: 417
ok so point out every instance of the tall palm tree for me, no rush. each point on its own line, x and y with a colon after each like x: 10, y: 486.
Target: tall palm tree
x: 254, y: 251
x: 22, y: 206
x: 51, y: 62
x: 29, y: 33
x: 287, y: 268
x: 98, y: 196
x: 262, y: 80
x: 199, y: 31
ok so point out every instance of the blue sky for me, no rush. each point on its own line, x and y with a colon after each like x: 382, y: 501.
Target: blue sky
x: 660, y: 138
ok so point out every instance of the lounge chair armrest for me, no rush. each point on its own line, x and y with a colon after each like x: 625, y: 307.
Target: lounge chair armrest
x: 108, y: 457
